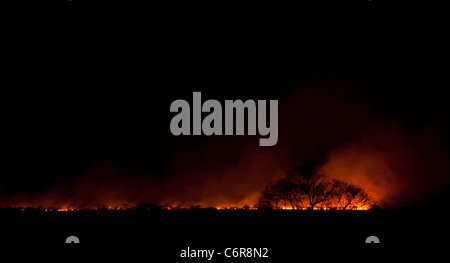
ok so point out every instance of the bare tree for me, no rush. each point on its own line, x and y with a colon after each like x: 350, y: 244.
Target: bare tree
x: 314, y: 185
x: 312, y: 188
x: 270, y: 198
x: 340, y: 197
x: 292, y: 196
x: 360, y: 197
x: 346, y: 195
x: 282, y: 194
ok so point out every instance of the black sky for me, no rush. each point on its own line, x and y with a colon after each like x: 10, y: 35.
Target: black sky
x: 86, y: 84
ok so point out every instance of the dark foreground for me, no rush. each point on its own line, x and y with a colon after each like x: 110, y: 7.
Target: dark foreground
x: 160, y: 236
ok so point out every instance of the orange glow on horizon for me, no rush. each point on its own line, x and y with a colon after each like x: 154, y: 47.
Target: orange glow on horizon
x: 222, y: 207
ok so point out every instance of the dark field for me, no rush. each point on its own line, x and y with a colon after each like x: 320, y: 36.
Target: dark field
x: 163, y: 234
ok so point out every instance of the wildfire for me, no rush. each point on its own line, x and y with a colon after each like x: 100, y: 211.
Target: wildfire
x: 68, y: 209
x: 172, y: 207
x: 179, y: 207
x: 361, y: 208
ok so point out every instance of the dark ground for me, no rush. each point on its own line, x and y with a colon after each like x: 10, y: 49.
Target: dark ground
x: 287, y: 234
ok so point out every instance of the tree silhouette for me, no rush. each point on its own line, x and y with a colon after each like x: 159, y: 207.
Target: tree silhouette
x: 313, y: 184
x: 347, y: 195
x: 311, y: 188
x: 271, y: 197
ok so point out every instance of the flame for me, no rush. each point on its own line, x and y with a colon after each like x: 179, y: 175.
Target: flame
x: 361, y: 208
x: 220, y: 207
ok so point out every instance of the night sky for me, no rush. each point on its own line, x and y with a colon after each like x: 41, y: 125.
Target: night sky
x: 87, y: 90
